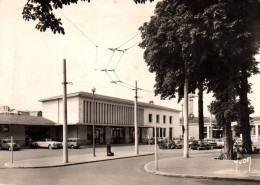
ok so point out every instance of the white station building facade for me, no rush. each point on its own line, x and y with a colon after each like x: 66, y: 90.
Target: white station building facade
x: 114, y: 118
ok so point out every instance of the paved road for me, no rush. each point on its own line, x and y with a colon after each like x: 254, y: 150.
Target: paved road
x: 117, y: 172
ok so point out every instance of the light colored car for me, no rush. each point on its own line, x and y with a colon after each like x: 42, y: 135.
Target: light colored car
x: 220, y: 143
x: 256, y: 146
x: 6, y: 144
x: 47, y: 143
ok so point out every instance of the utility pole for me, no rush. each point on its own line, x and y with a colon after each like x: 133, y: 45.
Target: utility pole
x: 155, y: 149
x: 135, y: 121
x: 211, y: 129
x: 65, y: 130
x: 94, y: 120
x: 186, y: 121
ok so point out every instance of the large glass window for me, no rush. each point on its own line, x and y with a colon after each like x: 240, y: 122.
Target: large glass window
x: 252, y: 130
x: 164, y: 119
x: 164, y: 132
x: 6, y: 128
x: 170, y: 119
x: 157, y: 118
x: 150, y: 118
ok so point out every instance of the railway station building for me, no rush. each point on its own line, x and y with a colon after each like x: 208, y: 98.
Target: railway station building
x: 114, y: 118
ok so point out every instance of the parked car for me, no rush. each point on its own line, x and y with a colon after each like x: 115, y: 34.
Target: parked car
x: 238, y: 142
x: 212, y: 143
x: 200, y: 145
x: 74, y: 143
x: 167, y: 144
x: 220, y: 143
x: 178, y: 143
x: 256, y: 146
x: 6, y: 144
x: 47, y: 143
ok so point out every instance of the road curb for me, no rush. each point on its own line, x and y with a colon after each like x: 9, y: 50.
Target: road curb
x: 156, y: 172
x: 8, y: 165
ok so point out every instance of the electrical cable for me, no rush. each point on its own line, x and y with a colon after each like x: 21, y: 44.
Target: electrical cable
x: 128, y: 40
x: 78, y: 29
x: 110, y: 58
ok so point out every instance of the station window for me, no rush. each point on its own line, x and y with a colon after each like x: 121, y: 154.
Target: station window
x: 6, y: 128
x: 164, y: 119
x: 157, y: 118
x: 170, y: 119
x: 253, y: 130
x: 150, y: 118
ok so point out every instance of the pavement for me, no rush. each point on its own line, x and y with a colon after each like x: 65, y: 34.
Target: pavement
x: 73, y: 159
x: 196, y: 166
x: 207, y: 167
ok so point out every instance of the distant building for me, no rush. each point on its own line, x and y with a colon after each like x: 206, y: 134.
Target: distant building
x: 217, y: 132
x: 114, y: 118
x: 4, y: 109
x: 23, y: 127
x: 255, y: 129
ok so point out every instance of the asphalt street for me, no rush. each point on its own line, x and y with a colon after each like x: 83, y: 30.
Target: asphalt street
x: 117, y: 172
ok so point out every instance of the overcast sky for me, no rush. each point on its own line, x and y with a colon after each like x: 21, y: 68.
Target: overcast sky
x: 31, y: 61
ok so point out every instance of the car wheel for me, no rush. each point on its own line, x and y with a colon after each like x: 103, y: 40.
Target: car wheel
x: 50, y: 147
x: 72, y: 146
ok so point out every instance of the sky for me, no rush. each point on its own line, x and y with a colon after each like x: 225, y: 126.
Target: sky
x: 31, y: 61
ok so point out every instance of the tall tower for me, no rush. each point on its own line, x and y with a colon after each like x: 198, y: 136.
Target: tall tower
x: 191, y: 96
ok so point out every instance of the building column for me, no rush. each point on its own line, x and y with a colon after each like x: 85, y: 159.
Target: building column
x: 108, y: 135
x: 127, y: 137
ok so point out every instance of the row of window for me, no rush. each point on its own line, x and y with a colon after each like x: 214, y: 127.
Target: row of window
x: 253, y: 130
x: 106, y: 113
x: 150, y: 118
x: 161, y: 132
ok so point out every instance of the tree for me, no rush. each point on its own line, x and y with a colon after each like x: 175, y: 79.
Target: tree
x: 178, y: 34
x: 236, y: 34
x: 42, y: 11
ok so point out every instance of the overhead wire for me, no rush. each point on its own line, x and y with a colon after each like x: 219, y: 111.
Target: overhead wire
x: 128, y: 40
x: 78, y: 29
x: 123, y: 84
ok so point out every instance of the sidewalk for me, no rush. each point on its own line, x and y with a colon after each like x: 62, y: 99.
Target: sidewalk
x: 73, y: 160
x: 207, y: 167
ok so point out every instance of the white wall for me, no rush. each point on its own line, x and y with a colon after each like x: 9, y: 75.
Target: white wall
x: 175, y: 120
x: 53, y: 110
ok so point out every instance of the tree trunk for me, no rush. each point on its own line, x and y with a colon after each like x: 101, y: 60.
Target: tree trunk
x: 228, y: 141
x: 200, y: 106
x: 244, y: 112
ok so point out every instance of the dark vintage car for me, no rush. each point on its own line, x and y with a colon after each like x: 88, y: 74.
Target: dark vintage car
x: 166, y: 144
x: 200, y: 145
x: 6, y: 144
x: 212, y: 143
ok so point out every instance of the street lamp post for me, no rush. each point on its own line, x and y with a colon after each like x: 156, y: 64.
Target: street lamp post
x: 94, y: 119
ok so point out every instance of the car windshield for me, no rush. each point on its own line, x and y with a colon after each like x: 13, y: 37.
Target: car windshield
x: 8, y: 141
x: 47, y: 139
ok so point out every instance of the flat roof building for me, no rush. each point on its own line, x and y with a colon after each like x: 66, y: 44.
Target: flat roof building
x: 114, y: 118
